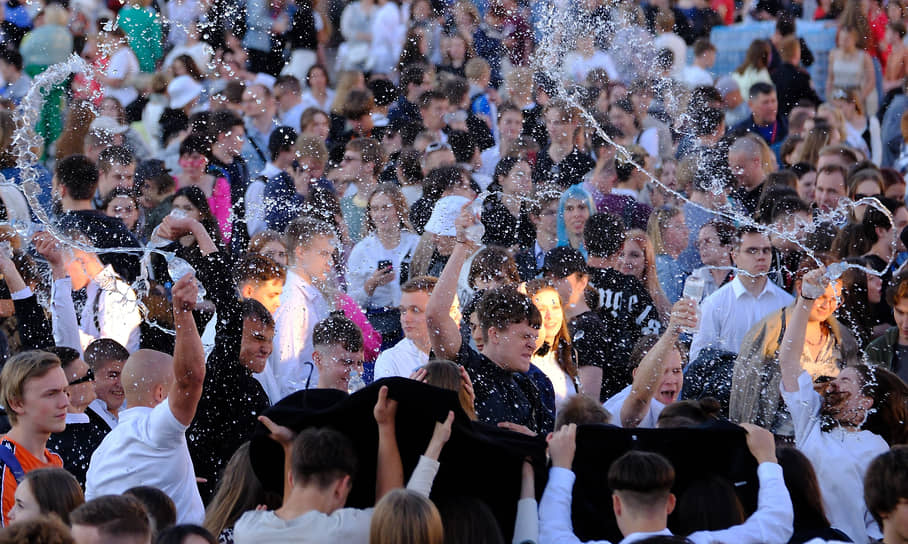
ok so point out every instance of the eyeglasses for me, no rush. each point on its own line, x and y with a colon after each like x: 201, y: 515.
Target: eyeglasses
x: 437, y: 146
x: 88, y: 377
x: 350, y: 158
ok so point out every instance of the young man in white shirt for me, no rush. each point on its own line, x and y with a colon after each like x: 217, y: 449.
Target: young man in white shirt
x: 337, y: 352
x: 729, y: 313
x: 413, y: 351
x: 842, y: 427
x: 320, y: 464
x: 642, y: 500
x: 697, y: 75
x: 111, y: 306
x: 310, y: 250
x: 148, y: 446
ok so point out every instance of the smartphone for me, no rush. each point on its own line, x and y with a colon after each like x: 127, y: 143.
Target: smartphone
x: 385, y: 265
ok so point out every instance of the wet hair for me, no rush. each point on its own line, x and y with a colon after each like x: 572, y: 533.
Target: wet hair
x: 18, y: 370
x: 886, y: 482
x: 177, y: 534
x: 603, y: 234
x: 239, y: 490
x: 890, y: 403
x: 506, y: 306
x: 262, y: 239
x: 493, y: 263
x: 320, y: 457
x: 446, y: 375
x: 581, y: 410
x: 78, y: 175
x: 258, y: 268
x: 114, y: 516
x: 642, y: 479
x: 162, y: 512
x: 709, y: 503
x: 804, y: 489
x: 56, y: 491
x: 689, y: 413
x: 256, y: 311
x: 103, y: 351
x: 338, y: 329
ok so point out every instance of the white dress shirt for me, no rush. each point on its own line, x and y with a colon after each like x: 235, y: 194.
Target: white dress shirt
x: 302, y: 307
x: 148, y: 447
x: 363, y: 262
x: 614, y: 404
x: 400, y: 360
x: 111, y: 311
x: 770, y: 524
x: 727, y: 315
x: 345, y: 525
x: 840, y: 458
x: 99, y: 407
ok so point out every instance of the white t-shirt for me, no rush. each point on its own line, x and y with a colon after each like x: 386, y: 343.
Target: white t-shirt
x: 694, y: 76
x: 123, y: 65
x: 614, y: 404
x: 562, y: 384
x: 147, y: 447
x: 400, y: 360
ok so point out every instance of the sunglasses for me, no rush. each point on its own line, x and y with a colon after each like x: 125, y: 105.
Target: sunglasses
x: 437, y: 146
x: 88, y: 377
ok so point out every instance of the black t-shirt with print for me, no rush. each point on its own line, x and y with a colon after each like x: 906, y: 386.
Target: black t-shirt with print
x: 589, y: 338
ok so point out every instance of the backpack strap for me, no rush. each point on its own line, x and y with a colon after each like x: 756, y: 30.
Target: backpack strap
x: 9, y: 459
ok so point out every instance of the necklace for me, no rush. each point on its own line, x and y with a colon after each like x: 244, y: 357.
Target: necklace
x: 818, y: 342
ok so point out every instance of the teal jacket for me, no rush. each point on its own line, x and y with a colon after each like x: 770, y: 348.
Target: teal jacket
x: 881, y: 350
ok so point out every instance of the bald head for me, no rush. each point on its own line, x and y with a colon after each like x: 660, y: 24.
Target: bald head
x: 147, y: 377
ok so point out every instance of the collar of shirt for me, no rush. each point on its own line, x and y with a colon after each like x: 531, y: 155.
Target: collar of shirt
x: 634, y: 537
x: 134, y: 413
x: 539, y: 254
x: 297, y: 284
x: 738, y: 287
x: 81, y: 417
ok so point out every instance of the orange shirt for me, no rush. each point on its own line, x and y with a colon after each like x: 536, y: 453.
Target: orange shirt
x: 29, y: 462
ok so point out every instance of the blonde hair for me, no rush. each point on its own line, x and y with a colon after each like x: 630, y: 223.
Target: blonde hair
x: 405, y: 517
x: 346, y: 81
x: 19, y: 369
x: 650, y: 277
x: 657, y: 222
x: 835, y: 118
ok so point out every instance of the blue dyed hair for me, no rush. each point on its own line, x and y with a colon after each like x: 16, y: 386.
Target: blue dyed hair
x: 574, y: 192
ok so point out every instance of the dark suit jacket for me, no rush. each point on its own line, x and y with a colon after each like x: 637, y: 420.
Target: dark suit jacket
x: 792, y: 84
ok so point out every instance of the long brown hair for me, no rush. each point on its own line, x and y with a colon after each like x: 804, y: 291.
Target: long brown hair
x: 401, y: 209
x: 446, y: 374
x: 56, y: 491
x: 757, y: 57
x: 890, y: 403
x: 562, y: 342
x: 238, y: 491
x: 7, y: 129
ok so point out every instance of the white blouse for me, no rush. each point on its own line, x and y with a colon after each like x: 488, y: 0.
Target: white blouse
x: 364, y: 261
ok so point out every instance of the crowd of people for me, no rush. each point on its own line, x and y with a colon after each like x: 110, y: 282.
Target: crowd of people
x: 259, y: 209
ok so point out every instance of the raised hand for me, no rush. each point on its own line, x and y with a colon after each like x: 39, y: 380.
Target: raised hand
x: 185, y: 293
x: 761, y: 443
x: 440, y: 437
x: 280, y: 434
x: 563, y: 445
x: 385, y: 408
x: 683, y: 316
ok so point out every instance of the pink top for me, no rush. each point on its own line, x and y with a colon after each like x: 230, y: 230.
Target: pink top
x: 220, y: 205
x: 371, y: 337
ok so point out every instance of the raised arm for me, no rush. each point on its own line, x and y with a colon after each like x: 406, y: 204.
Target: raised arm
x: 188, y: 353
x: 555, y: 525
x: 389, y: 472
x: 445, y: 333
x: 649, y: 373
x: 64, y: 323
x: 812, y: 287
x: 35, y: 329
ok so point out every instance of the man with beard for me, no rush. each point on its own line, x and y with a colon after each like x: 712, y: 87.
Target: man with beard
x: 842, y: 427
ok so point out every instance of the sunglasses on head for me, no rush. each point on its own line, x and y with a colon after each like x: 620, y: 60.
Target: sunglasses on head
x: 88, y: 377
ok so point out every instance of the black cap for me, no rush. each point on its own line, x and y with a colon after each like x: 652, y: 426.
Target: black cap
x: 563, y: 261
x: 150, y: 169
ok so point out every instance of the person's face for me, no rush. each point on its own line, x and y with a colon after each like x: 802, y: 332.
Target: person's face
x: 151, y: 195
x: 256, y: 101
x: 746, y: 168
x: 807, y: 186
x: 110, y: 108
x: 276, y: 252
x: 548, y: 303
x: 622, y: 120
x: 108, y: 386
x: 352, y: 164
x: 899, y: 222
x: 26, y: 506
x: 519, y: 180
x: 765, y: 108
x: 80, y: 394
x: 383, y: 212
x: 675, y: 234
x: 183, y: 203
x: 830, y: 189
x: 413, y: 316
x: 312, y: 166
x: 632, y: 259
x: 874, y: 288
x: 194, y: 164
x: 319, y: 127
x: 42, y: 408
x: 826, y: 304
x: 792, y: 228
x: 576, y: 212
x: 335, y: 365
x: 439, y: 158
x: 256, y: 344
x: 267, y: 292
x: 866, y: 188
x: 317, y: 79
x: 457, y: 48
x: 560, y: 125
x: 753, y: 254
x: 547, y: 222
x: 317, y: 260
x: 124, y: 209
x: 433, y: 114
x: 900, y: 313
x: 119, y: 176
x: 896, y: 191
x: 898, y: 518
x: 847, y: 39
x: 712, y: 252
x: 233, y: 140
x: 672, y: 379
x: 842, y: 398
x: 510, y: 125
x: 668, y: 177
x: 78, y: 268
x: 516, y: 343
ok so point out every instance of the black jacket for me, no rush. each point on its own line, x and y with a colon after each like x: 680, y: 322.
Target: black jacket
x: 792, y: 85
x: 106, y: 233
x: 232, y: 398
x: 77, y: 442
